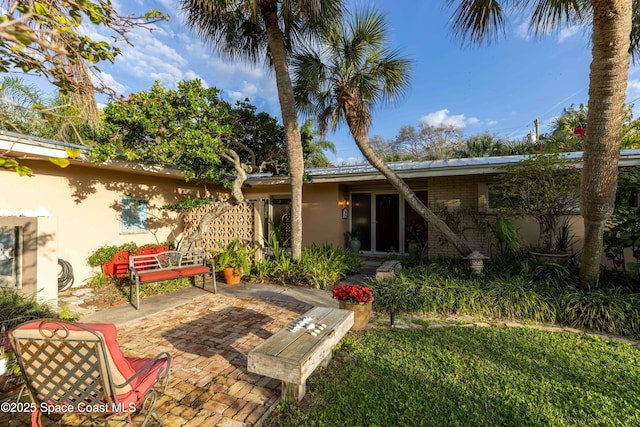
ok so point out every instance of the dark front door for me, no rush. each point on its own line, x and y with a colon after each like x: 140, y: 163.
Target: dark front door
x: 387, y: 223
x: 361, y: 223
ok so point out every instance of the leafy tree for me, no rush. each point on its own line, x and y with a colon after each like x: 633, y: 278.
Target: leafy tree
x: 43, y: 37
x: 622, y: 234
x: 387, y: 149
x: 614, y: 35
x: 428, y: 142
x: 268, y: 30
x: 544, y: 187
x: 353, y: 72
x: 193, y: 129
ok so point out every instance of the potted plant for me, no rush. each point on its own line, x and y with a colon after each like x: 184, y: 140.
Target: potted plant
x: 543, y: 187
x: 234, y: 260
x: 354, y: 241
x: 356, y: 298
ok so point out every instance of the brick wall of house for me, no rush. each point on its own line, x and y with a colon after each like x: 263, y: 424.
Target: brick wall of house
x: 455, y: 200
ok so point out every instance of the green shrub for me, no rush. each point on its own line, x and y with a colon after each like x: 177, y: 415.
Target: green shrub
x: 319, y: 266
x: 526, y: 291
x: 402, y: 293
x: 14, y: 305
x: 607, y: 310
x: 106, y: 253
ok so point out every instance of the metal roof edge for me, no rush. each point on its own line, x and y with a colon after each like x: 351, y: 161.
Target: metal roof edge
x: 425, y: 169
x: 36, y: 146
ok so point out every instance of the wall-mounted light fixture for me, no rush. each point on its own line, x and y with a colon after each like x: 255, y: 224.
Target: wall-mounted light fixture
x: 343, y: 203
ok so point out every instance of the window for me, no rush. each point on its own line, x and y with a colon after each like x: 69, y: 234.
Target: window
x: 134, y: 215
x: 495, y: 197
x: 11, y: 257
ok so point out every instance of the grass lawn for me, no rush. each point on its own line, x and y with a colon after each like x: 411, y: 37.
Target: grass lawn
x: 471, y: 376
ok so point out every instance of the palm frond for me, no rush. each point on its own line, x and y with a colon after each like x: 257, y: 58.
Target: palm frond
x: 549, y: 15
x: 478, y: 21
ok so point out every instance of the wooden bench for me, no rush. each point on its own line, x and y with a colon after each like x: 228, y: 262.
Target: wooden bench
x: 166, y: 266
x: 388, y: 269
x: 292, y: 355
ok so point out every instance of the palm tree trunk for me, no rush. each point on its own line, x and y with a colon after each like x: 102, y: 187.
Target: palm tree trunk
x: 607, y: 86
x: 398, y: 183
x: 269, y: 10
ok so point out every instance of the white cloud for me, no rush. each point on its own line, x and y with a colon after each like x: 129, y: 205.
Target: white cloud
x: 633, y: 90
x: 248, y: 90
x: 444, y: 118
x: 569, y: 32
x: 492, y: 123
x: 522, y: 31
x: 111, y: 83
x: 173, y: 53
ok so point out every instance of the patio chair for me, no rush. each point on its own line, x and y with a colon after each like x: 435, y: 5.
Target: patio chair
x: 79, y: 368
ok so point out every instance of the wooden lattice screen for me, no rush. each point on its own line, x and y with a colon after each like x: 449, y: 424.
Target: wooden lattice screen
x: 243, y: 221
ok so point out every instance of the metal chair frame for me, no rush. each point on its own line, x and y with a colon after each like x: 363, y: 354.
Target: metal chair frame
x: 67, y: 367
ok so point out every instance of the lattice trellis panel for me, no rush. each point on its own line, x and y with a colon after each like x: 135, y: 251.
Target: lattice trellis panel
x: 238, y: 222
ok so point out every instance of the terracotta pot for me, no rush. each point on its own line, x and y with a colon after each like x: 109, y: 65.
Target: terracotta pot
x: 121, y: 255
x: 361, y: 314
x: 120, y: 268
x: 231, y: 277
x: 108, y: 268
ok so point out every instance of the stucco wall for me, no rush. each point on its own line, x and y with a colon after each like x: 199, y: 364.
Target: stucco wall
x: 36, y: 266
x: 85, y: 202
x: 321, y: 213
x: 321, y: 209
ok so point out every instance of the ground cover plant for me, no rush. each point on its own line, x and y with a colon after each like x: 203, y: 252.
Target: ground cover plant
x: 469, y: 376
x: 513, y: 287
x: 320, y: 266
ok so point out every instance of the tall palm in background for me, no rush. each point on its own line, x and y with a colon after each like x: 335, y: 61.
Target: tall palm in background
x: 314, y: 147
x: 25, y: 109
x: 613, y: 37
x: 267, y: 30
x: 17, y: 99
x: 344, y: 79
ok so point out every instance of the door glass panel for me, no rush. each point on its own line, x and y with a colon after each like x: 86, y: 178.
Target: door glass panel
x: 387, y: 220
x: 281, y: 219
x: 361, y: 218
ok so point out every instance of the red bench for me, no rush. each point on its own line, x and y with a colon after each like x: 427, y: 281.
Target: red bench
x: 168, y: 265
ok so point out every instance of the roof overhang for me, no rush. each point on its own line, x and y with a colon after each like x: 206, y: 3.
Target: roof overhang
x: 425, y: 169
x: 29, y: 147
x: 34, y: 148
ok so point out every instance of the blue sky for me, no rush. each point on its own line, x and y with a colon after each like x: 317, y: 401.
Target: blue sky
x: 499, y: 89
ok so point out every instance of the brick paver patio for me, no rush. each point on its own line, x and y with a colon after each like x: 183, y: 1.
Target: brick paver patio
x: 209, y: 340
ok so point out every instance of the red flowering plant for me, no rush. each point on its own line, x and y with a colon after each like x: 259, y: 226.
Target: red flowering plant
x: 580, y: 132
x: 354, y: 294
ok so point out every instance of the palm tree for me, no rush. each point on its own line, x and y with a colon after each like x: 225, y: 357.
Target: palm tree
x: 267, y: 30
x: 314, y: 147
x: 17, y: 100
x: 345, y: 80
x: 613, y: 36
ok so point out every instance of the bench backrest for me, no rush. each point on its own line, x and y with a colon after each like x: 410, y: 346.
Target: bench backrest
x: 168, y: 260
